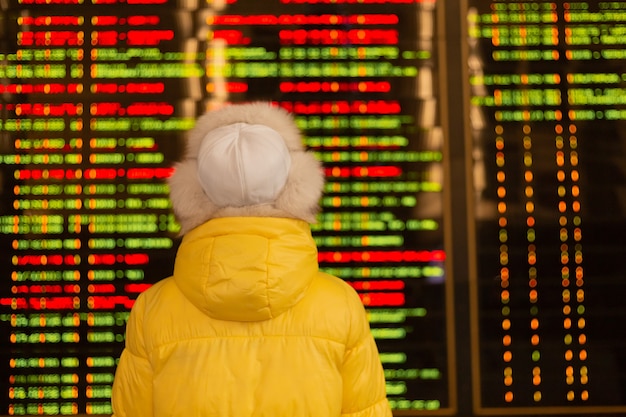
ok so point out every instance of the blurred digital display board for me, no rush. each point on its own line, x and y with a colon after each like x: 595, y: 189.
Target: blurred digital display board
x: 95, y: 100
x: 96, y: 97
x: 549, y: 147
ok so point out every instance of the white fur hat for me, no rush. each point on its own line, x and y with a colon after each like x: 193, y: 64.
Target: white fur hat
x: 245, y: 160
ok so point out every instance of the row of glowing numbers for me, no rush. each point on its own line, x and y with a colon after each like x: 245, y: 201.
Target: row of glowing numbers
x: 569, y: 148
x: 562, y: 156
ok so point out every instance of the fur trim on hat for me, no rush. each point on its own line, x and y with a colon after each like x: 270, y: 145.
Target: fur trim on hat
x: 300, y: 196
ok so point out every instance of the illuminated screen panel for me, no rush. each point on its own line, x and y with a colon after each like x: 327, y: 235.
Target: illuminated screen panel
x: 95, y: 100
x: 549, y: 151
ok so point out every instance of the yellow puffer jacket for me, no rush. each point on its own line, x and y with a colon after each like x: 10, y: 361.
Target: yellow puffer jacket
x: 248, y: 326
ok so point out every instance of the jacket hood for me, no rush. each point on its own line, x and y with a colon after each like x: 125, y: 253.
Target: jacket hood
x: 294, y: 193
x: 246, y: 268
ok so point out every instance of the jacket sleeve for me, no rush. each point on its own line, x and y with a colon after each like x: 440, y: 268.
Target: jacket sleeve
x: 132, y: 388
x: 364, y: 392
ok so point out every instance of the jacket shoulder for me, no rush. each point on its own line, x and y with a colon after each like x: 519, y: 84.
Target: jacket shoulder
x: 335, y: 305
x: 155, y: 305
x: 152, y: 297
x: 337, y: 289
